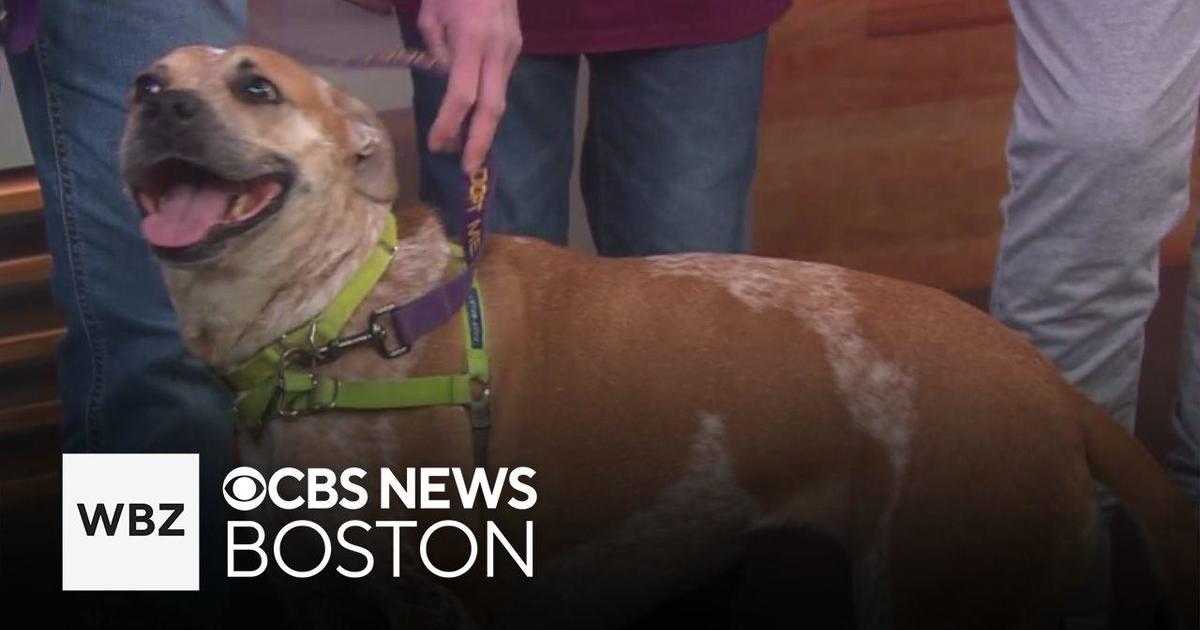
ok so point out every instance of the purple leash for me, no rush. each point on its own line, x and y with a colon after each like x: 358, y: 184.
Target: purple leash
x: 414, y: 319
x: 18, y: 24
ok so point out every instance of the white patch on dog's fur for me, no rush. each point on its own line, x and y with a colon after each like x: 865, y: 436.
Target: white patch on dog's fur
x: 307, y: 133
x: 878, y: 394
x: 213, y: 51
x: 655, y: 552
x: 422, y: 254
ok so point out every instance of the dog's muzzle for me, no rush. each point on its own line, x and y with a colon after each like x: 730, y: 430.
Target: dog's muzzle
x: 195, y: 183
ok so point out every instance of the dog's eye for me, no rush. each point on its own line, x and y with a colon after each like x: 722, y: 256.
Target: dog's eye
x: 260, y: 90
x: 146, y: 85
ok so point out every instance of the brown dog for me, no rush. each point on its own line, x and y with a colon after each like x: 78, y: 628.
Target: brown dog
x: 670, y: 405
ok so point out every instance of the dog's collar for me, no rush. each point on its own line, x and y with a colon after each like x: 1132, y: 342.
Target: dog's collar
x: 293, y: 389
x: 279, y: 380
x: 322, y: 330
x: 319, y: 340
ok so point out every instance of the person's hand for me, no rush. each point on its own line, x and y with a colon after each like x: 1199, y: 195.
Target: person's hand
x: 378, y: 6
x: 480, y: 40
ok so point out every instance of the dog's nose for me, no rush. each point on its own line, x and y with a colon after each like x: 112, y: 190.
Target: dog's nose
x: 175, y: 106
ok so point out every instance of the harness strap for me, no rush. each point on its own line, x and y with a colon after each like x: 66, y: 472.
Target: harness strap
x: 295, y: 392
x: 479, y: 368
x: 301, y: 393
x: 264, y: 365
x: 272, y: 383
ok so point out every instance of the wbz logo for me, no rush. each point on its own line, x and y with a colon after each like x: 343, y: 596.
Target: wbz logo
x: 130, y: 522
x: 141, y: 519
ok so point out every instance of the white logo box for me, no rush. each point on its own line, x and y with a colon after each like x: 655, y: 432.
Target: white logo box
x: 121, y: 562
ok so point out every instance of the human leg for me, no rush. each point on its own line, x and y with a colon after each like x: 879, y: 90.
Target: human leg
x: 670, y: 147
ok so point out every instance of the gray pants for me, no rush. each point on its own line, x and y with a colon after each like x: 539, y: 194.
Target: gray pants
x: 1099, y: 160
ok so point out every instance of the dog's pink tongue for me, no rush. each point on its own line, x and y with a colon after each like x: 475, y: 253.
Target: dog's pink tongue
x: 185, y: 215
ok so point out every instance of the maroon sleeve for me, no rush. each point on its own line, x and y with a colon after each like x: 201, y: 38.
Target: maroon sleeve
x: 582, y: 26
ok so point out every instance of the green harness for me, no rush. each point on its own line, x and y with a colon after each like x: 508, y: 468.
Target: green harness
x: 280, y: 380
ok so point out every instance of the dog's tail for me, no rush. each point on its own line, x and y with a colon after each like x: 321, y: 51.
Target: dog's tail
x: 1170, y: 524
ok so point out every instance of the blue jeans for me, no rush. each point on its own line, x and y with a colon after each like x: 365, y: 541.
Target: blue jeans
x: 668, y: 153
x: 125, y: 380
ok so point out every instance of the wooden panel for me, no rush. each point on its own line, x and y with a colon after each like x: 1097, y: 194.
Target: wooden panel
x: 908, y: 192
x: 28, y: 346
x: 908, y: 17
x: 17, y: 492
x: 29, y: 453
x: 887, y: 154
x: 27, y: 383
x: 820, y: 62
x: 24, y: 270
x: 27, y: 309
x: 19, y: 192
x: 34, y: 417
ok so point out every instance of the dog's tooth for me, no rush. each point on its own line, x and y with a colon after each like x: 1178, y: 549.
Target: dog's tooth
x: 148, y: 202
x: 237, y: 205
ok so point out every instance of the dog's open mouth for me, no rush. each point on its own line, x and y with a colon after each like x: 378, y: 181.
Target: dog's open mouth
x: 187, y: 208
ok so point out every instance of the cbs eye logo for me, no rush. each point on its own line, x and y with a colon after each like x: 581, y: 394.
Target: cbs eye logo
x: 244, y: 488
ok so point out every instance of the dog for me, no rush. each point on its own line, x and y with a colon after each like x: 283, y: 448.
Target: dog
x: 671, y: 406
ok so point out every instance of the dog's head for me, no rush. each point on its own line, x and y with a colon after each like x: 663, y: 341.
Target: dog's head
x: 225, y: 145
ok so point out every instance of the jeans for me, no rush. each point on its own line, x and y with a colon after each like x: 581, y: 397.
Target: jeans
x: 125, y: 380
x: 1099, y: 155
x: 668, y: 153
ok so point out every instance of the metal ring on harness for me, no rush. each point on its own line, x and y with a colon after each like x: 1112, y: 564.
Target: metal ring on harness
x: 283, y: 407
x: 286, y: 410
x: 379, y: 333
x: 479, y: 408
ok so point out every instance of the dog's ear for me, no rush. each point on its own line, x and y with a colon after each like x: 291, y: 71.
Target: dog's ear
x: 374, y: 169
